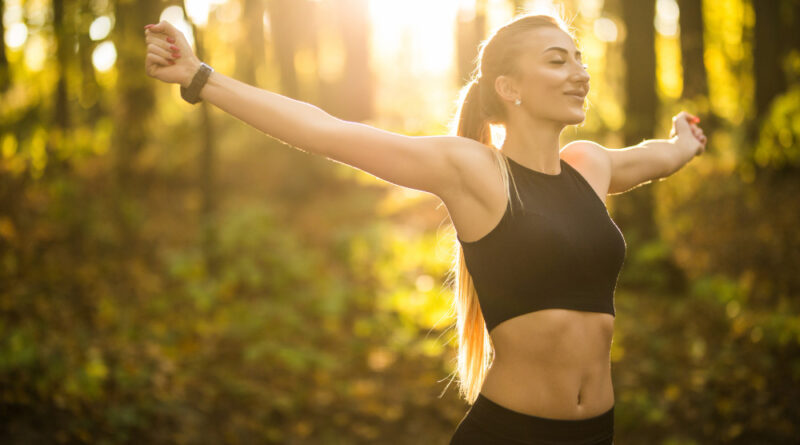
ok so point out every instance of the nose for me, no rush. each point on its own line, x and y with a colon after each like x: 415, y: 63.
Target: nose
x: 582, y: 74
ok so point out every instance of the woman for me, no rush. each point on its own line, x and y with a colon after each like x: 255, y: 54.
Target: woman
x: 537, y: 254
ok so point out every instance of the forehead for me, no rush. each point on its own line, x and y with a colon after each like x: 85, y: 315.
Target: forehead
x: 547, y: 41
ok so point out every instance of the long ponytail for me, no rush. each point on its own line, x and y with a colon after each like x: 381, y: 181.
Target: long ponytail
x: 480, y: 107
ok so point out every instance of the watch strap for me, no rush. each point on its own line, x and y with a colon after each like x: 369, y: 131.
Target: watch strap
x: 191, y: 93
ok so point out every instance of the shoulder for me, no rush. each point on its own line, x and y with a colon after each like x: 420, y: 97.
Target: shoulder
x: 592, y: 161
x: 588, y: 154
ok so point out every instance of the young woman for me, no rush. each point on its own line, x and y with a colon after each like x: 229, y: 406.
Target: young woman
x: 537, y: 253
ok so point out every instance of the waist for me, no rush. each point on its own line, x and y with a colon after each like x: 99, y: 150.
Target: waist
x: 549, y: 390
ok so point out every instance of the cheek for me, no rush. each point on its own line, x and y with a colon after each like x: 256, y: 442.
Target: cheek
x: 544, y: 82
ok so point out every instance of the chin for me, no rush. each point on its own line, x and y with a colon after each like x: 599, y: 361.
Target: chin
x: 575, y: 119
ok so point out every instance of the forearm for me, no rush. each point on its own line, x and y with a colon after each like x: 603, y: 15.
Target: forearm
x: 297, y: 123
x: 672, y: 154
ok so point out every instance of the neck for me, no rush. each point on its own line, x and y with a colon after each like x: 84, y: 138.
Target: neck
x: 534, y: 143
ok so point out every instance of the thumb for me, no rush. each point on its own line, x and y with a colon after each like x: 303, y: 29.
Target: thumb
x: 681, y: 121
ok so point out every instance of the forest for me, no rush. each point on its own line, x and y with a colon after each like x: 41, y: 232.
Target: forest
x: 169, y: 274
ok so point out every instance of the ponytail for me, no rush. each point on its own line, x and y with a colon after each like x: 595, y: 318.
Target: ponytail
x: 475, y: 349
x: 472, y: 122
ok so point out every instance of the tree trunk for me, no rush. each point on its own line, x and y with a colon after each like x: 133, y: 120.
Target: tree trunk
x: 692, y: 49
x: 250, y: 52
x: 767, y: 55
x: 5, y: 73
x: 134, y: 104
x: 634, y: 210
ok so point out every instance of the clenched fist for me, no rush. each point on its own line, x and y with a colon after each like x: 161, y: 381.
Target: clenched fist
x: 169, y: 56
x: 686, y: 132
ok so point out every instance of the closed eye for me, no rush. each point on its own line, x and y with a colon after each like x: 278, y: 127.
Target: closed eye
x: 561, y: 62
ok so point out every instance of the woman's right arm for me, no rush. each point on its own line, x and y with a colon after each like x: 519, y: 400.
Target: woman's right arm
x: 425, y: 163
x: 422, y: 163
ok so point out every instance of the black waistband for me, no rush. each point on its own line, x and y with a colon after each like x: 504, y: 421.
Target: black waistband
x: 526, y: 428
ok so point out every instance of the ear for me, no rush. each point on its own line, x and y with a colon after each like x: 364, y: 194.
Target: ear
x: 506, y: 88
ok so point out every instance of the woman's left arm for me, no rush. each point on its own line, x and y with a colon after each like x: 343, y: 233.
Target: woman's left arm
x: 630, y: 167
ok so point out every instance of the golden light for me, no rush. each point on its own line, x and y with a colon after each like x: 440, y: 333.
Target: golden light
x: 667, y: 14
x: 100, y: 28
x: 35, y: 52
x: 104, y: 56
x: 16, y: 35
x: 198, y: 10
x: 418, y: 32
x: 16, y: 31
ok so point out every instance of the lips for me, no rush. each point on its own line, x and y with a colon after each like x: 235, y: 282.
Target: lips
x: 578, y: 94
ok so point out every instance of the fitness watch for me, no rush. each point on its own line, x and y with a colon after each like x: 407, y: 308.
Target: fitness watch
x: 192, y: 93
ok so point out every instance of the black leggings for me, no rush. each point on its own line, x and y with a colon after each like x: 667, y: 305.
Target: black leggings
x: 487, y: 423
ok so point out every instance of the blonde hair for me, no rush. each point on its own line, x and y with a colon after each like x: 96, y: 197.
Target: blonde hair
x: 480, y: 108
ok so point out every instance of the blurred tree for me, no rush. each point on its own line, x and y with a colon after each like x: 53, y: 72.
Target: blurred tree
x: 634, y: 210
x: 769, y: 51
x: 351, y: 97
x: 89, y: 96
x: 61, y: 112
x: 207, y: 172
x: 470, y: 31
x: 134, y: 105
x: 775, y: 42
x: 250, y: 51
x: 286, y: 19
x: 692, y: 50
x: 5, y: 74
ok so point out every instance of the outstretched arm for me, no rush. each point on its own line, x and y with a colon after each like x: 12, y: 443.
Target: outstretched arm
x: 629, y: 167
x: 423, y: 163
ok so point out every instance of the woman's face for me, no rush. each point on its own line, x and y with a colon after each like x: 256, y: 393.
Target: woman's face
x: 546, y: 76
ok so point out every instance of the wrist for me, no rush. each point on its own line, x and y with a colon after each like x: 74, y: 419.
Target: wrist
x: 683, y: 153
x: 687, y: 146
x: 189, y: 72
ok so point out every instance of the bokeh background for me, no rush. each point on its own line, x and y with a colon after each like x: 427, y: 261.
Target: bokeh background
x: 169, y: 274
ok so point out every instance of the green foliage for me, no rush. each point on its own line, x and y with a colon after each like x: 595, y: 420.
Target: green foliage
x: 324, y: 316
x: 779, y: 140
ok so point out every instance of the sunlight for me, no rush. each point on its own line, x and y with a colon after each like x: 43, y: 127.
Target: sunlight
x: 36, y: 52
x: 198, y: 10
x: 421, y: 32
x: 16, y: 35
x: 16, y: 31
x: 100, y: 28
x: 104, y: 56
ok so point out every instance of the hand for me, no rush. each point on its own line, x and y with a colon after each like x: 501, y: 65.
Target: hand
x: 169, y: 56
x: 686, y: 132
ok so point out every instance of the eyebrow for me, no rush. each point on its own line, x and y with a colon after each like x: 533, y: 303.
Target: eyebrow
x: 558, y: 48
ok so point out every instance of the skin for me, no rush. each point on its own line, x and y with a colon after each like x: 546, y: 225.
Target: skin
x: 542, y: 77
x: 552, y: 363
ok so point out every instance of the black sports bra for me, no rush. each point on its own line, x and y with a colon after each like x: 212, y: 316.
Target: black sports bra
x: 561, y: 250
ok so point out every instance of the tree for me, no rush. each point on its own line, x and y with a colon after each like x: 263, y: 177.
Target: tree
x: 634, y: 210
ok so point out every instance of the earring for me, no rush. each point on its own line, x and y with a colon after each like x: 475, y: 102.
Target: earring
x: 518, y: 102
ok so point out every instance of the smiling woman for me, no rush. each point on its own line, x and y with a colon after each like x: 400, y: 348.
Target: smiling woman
x: 536, y: 256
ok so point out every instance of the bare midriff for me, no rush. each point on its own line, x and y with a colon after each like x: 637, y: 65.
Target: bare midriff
x: 553, y: 363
